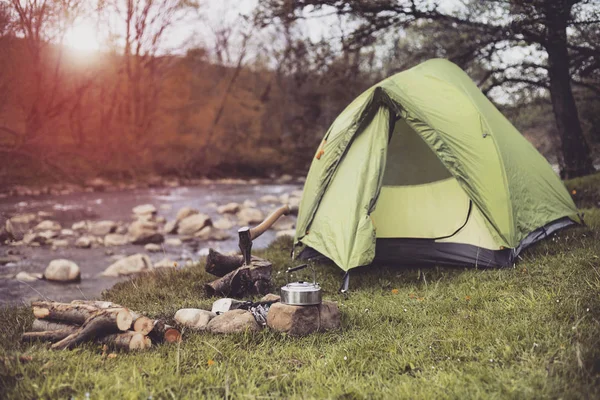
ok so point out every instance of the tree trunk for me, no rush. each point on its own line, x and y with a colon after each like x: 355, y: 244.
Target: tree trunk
x: 575, y: 150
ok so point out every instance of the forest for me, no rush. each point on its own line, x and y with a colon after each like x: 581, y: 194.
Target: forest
x: 255, y: 97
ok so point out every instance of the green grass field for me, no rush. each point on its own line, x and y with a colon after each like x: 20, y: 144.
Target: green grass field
x: 532, y: 331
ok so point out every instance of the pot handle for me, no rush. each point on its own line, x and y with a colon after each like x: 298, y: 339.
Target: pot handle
x: 298, y: 268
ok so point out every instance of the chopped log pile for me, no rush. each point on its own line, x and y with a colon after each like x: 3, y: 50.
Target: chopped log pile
x: 67, y: 325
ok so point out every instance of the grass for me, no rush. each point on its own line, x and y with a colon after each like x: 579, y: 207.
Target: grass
x: 532, y: 331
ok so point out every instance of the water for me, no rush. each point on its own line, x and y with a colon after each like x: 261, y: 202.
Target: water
x: 117, y: 206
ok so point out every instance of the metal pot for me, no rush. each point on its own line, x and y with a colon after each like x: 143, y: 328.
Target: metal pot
x: 301, y: 293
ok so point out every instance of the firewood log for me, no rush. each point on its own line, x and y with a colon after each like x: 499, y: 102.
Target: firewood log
x: 103, y: 322
x: 244, y: 281
x: 64, y: 312
x: 162, y: 332
x: 126, y: 341
x: 142, y: 324
x: 97, y: 303
x: 42, y: 325
x: 48, y: 336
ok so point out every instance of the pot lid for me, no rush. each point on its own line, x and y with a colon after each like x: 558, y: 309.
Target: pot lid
x: 302, y: 286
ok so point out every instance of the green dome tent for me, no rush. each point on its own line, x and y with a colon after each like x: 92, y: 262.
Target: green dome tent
x: 422, y: 168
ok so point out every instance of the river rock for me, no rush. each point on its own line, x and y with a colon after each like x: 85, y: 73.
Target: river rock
x: 210, y: 233
x: 302, y: 320
x: 129, y: 265
x: 288, y: 232
x: 9, y: 259
x: 229, y: 208
x: 98, y: 184
x: 225, y: 304
x: 223, y: 224
x: 173, y: 242
x: 170, y: 227
x: 270, y: 297
x: 144, y: 232
x: 284, y: 223
x: 194, y: 318
x: 48, y: 225
x: 153, y: 248
x: 250, y: 216
x: 28, y: 276
x: 285, y: 178
x: 248, y: 204
x: 165, y: 263
x: 62, y: 270
x: 294, y: 202
x: 84, y: 242
x: 185, y: 212
x: 60, y: 244
x: 102, y: 228
x: 81, y: 226
x: 115, y: 239
x: 235, y: 321
x: 144, y: 210
x: 19, y: 224
x: 269, y: 198
x: 191, y: 225
x: 67, y: 233
x: 296, y: 193
x: 284, y: 198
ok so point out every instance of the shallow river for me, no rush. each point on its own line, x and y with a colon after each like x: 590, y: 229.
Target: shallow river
x: 117, y: 206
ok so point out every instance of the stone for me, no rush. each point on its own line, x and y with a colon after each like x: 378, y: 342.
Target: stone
x: 80, y: 226
x: 250, y: 216
x: 102, y: 228
x: 67, y: 233
x: 269, y: 198
x: 129, y: 265
x: 44, y: 214
x: 166, y: 207
x: 144, y: 210
x: 170, y: 227
x: 84, y: 242
x: 144, y: 232
x: 193, y: 224
x: 115, y: 239
x: 28, y: 276
x: 296, y: 193
x: 248, y: 204
x: 98, y: 184
x: 284, y: 198
x: 223, y: 224
x: 18, y: 225
x: 160, y: 220
x: 285, y: 178
x: 284, y: 223
x: 9, y: 259
x: 210, y: 233
x: 173, y: 242
x: 185, y: 212
x: 153, y: 248
x: 270, y: 297
x: 60, y: 244
x: 165, y: 263
x: 194, y: 318
x: 294, y: 202
x: 229, y: 208
x: 62, y: 270
x: 303, y: 320
x: 226, y: 304
x: 48, y: 225
x: 235, y: 321
x: 289, y: 232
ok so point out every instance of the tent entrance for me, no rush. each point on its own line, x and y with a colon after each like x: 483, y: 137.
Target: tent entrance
x: 419, y: 197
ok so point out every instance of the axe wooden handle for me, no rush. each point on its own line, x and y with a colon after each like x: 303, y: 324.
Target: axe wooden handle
x: 270, y: 220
